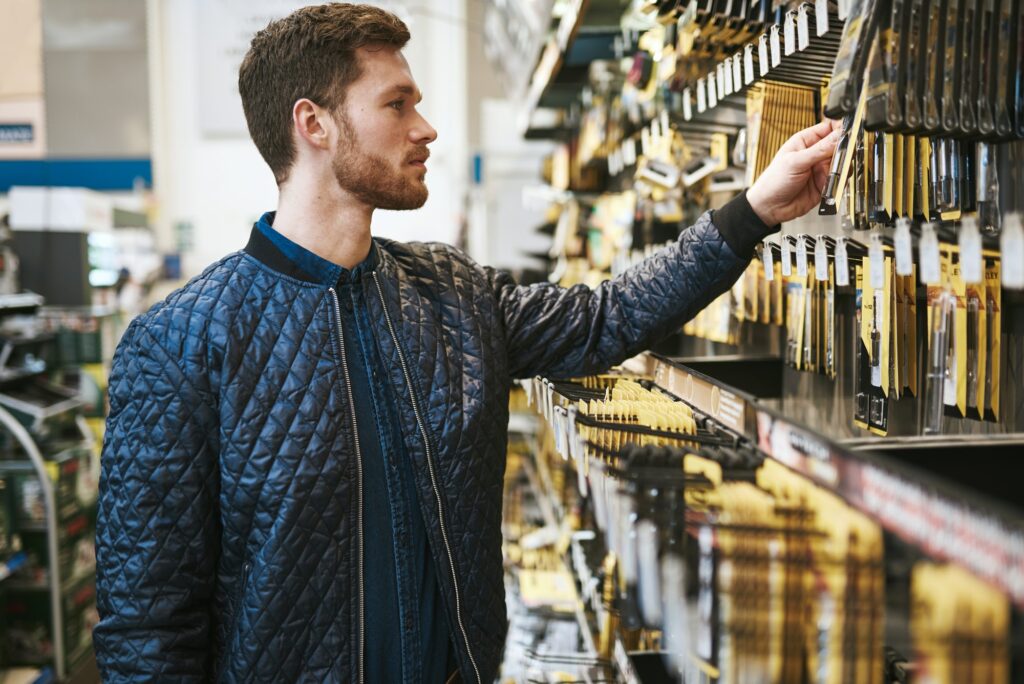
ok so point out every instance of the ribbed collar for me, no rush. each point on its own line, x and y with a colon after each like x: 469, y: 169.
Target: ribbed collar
x: 310, y: 266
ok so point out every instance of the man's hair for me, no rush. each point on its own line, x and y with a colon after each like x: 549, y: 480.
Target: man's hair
x: 311, y: 54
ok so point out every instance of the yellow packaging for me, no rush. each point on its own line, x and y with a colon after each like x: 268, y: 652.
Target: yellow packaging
x: 994, y: 320
x: 924, y: 155
x: 898, y: 192
x: 887, y: 328
x: 960, y: 339
x: 887, y: 171
x: 909, y: 168
x: 867, y: 299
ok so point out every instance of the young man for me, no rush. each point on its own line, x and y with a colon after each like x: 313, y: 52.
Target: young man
x: 303, y: 465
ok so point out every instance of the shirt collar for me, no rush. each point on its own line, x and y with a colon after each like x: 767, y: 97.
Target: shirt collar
x: 323, y: 271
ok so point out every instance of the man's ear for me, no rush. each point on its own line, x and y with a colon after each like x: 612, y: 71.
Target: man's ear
x: 312, y: 123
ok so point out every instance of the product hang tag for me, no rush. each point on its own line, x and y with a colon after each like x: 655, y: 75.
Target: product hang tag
x: 789, y: 33
x: 629, y: 152
x: 776, y: 49
x: 928, y: 255
x: 737, y: 71
x: 803, y: 28
x: 725, y: 78
x: 820, y: 258
x: 801, y: 257
x: 645, y: 141
x: 844, y: 9
x: 842, y: 264
x: 748, y: 64
x: 720, y: 76
x: 876, y: 255
x: 762, y: 54
x: 971, y: 263
x: 787, y: 259
x: 712, y: 91
x: 687, y: 104
x: 821, y: 16
x: 702, y: 101
x: 904, y: 250
x: 665, y: 126
x: 1011, y: 247
x: 769, y: 262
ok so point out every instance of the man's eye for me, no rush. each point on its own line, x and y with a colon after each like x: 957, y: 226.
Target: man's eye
x: 397, y: 104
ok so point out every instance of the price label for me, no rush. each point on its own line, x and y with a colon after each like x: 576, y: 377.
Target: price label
x: 803, y: 28
x: 702, y: 101
x: 776, y: 49
x: 665, y: 128
x: 787, y: 259
x: 712, y: 91
x: 762, y: 54
x: 903, y: 248
x: 801, y: 257
x: 842, y: 264
x: 971, y: 266
x: 821, y: 16
x: 737, y: 71
x: 687, y: 104
x: 1011, y: 248
x: 720, y: 75
x: 789, y: 33
x: 748, y: 64
x: 725, y: 77
x: 769, y: 263
x: 928, y: 255
x: 820, y: 258
x: 876, y: 256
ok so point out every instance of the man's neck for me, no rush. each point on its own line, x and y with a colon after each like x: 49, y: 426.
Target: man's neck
x: 325, y: 220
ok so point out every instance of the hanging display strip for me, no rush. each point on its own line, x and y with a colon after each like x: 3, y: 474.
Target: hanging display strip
x: 942, y: 525
x: 800, y: 52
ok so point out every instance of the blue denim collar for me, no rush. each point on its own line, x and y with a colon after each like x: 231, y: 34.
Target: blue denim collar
x: 318, y: 268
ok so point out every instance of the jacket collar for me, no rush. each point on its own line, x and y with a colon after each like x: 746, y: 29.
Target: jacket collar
x: 289, y: 258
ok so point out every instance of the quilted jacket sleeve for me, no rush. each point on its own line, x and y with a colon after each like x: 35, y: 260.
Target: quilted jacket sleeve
x: 562, y: 332
x: 156, y: 537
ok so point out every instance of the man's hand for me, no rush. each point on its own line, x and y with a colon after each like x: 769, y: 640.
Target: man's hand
x: 792, y: 184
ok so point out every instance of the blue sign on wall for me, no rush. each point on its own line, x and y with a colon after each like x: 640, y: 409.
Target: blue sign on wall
x: 17, y: 133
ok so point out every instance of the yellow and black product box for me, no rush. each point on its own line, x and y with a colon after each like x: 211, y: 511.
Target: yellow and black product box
x: 76, y: 548
x: 74, y: 487
x: 29, y: 635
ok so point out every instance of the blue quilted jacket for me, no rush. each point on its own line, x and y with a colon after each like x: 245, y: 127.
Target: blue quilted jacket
x: 229, y: 537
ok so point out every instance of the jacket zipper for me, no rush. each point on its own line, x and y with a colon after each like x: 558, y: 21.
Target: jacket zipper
x: 359, y: 486
x: 430, y: 467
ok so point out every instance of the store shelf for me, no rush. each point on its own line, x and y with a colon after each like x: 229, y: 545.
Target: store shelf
x: 944, y: 521
x: 586, y: 32
x: 11, y: 565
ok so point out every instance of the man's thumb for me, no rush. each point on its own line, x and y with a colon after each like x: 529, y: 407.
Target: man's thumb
x: 816, y: 153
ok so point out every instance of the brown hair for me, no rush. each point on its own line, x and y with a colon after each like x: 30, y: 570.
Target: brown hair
x: 311, y: 54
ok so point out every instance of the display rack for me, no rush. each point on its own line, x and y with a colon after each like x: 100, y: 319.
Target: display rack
x: 938, y: 519
x: 35, y: 457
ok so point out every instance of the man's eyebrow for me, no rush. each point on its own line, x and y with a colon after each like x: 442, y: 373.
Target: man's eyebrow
x: 407, y: 90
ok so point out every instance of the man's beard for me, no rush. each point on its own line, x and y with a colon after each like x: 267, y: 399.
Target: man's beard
x: 371, y: 179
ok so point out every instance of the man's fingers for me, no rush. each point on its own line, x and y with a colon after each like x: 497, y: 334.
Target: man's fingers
x: 810, y: 136
x: 816, y: 153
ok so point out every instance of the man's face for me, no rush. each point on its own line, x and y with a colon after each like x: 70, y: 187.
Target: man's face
x: 382, y: 151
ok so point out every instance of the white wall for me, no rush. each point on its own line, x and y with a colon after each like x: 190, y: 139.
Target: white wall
x: 221, y: 185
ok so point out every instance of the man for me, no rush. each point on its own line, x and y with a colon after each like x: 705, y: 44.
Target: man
x: 303, y: 465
